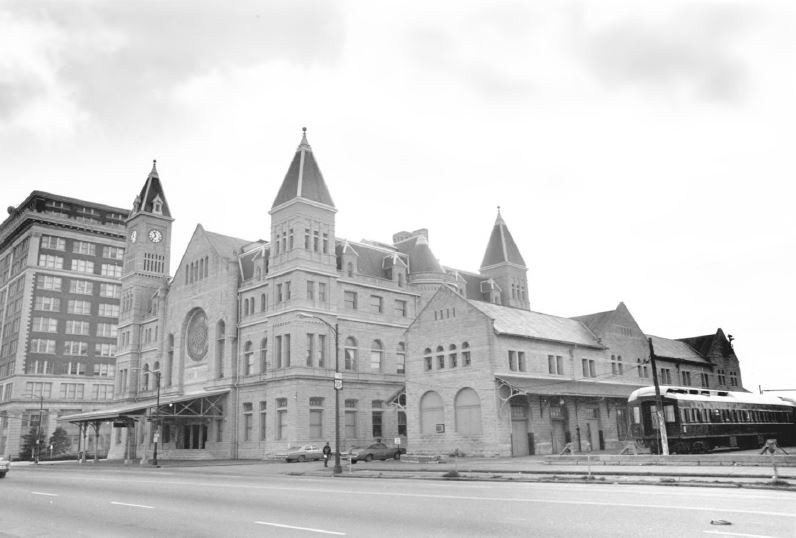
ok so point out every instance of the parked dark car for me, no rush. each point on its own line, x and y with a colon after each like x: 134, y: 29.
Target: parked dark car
x: 5, y: 465
x: 376, y: 451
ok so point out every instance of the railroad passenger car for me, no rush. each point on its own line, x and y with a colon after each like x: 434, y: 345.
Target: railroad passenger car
x: 698, y: 420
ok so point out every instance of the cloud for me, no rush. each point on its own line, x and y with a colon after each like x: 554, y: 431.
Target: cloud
x: 686, y: 52
x: 114, y: 60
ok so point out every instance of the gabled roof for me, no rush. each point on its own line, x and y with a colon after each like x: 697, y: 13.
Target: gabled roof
x: 225, y: 245
x: 705, y: 344
x: 519, y: 322
x: 303, y: 178
x: 501, y: 247
x: 151, y: 191
x: 675, y: 349
x: 597, y: 321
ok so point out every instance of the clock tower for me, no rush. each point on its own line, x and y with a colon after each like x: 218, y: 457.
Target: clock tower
x: 144, y: 275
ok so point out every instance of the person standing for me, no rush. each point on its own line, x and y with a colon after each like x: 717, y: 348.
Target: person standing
x: 327, y: 451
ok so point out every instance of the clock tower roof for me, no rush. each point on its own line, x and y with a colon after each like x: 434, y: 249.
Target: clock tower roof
x: 151, y: 199
x: 303, y: 179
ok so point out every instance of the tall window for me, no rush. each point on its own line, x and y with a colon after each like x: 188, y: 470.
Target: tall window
x: 555, y: 364
x: 248, y: 359
x: 376, y: 355
x: 440, y: 357
x: 310, y: 348
x: 281, y: 418
x: 431, y: 412
x: 322, y: 292
x: 316, y: 418
x: 616, y: 365
x: 278, y: 350
x: 686, y: 378
x: 428, y: 360
x: 321, y: 351
x: 220, y: 341
x: 400, y: 358
x: 350, y: 353
x: 643, y: 369
x: 400, y: 308
x: 465, y: 354
x: 512, y: 360
x: 350, y: 300
x: 588, y: 368
x: 263, y: 355
x: 310, y: 290
x: 376, y: 304
x: 350, y: 420
x: 453, y: 359
x: 263, y: 420
x: 248, y: 418
x: 376, y: 419
x: 468, y: 412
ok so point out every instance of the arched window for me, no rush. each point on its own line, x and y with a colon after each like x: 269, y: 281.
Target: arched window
x: 207, y: 266
x: 468, y: 411
x: 263, y: 355
x: 220, y: 340
x: 145, y: 381
x: 248, y: 359
x: 245, y: 307
x: 440, y: 357
x: 465, y: 354
x: 428, y: 360
x: 400, y: 358
x: 262, y: 302
x: 431, y: 412
x: 376, y: 355
x: 452, y: 357
x: 350, y: 353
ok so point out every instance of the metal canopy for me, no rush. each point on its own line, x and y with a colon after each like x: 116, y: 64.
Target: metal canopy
x: 515, y: 385
x: 202, y: 404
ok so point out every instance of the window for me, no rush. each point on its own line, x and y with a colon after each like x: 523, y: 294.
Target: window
x: 704, y: 380
x: 666, y: 376
x: 428, y: 360
x: 248, y: 417
x: 82, y: 247
x: 400, y: 358
x: 77, y: 327
x: 42, y: 345
x: 722, y: 379
x: 588, y: 368
x: 263, y: 355
x: 642, y: 367
x: 72, y: 391
x: 108, y: 310
x: 521, y: 361
x: 400, y: 308
x: 322, y: 292
x: 45, y: 282
x: 465, y: 354
x: 440, y: 357
x: 83, y: 266
x: 351, y: 419
x: 51, y: 262
x: 105, y: 350
x: 453, y: 358
x: 287, y: 290
x: 53, y: 243
x: 350, y: 353
x: 76, y: 348
x: 263, y: 420
x: 376, y: 304
x: 468, y: 412
x: 512, y: 360
x: 111, y: 270
x: 686, y: 378
x: 281, y: 418
x: 310, y: 348
x: 733, y: 378
x: 47, y: 304
x: 279, y: 351
x: 102, y: 392
x: 350, y: 300
x: 321, y: 351
x: 108, y: 370
x: 113, y: 253
x: 616, y: 365
x: 326, y: 243
x: 248, y: 359
x: 402, y: 423
x: 75, y: 368
x: 279, y: 293
x: 431, y: 412
x: 81, y: 287
x: 376, y: 420
x: 107, y: 330
x: 310, y: 290
x: 44, y: 325
x: 555, y: 364
x: 376, y: 355
x: 316, y: 418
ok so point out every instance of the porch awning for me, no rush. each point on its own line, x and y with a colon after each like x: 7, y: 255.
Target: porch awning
x: 565, y: 387
x: 195, y: 404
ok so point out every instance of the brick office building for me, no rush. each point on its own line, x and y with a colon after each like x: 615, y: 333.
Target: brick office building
x: 238, y: 345
x: 60, y: 263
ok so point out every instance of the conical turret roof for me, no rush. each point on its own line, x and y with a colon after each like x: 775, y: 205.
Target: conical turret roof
x: 303, y: 178
x: 501, y: 247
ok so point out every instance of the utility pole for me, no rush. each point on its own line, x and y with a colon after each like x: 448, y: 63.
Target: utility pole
x: 157, y: 421
x: 659, y: 402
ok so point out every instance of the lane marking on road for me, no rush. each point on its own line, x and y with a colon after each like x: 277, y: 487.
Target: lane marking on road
x: 133, y: 505
x: 299, y: 528
x: 46, y: 494
x: 723, y: 533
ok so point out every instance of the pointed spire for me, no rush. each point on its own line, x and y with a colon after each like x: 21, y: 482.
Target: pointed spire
x: 303, y: 178
x: 152, y: 199
x: 501, y: 247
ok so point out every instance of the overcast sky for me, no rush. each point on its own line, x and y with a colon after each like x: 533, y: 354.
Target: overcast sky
x: 639, y: 151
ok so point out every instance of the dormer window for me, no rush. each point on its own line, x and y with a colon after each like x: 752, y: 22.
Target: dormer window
x: 157, y: 205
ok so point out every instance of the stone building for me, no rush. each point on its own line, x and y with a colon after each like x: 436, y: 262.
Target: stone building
x: 60, y: 268
x: 234, y: 353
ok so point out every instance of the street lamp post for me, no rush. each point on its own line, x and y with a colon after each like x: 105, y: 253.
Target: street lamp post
x: 338, y: 386
x: 157, y: 420
x: 37, y: 445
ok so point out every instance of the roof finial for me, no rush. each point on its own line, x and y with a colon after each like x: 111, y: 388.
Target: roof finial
x: 154, y: 171
x: 304, y: 144
x: 499, y: 219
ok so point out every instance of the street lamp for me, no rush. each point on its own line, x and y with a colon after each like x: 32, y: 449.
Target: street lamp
x: 338, y: 386
x: 37, y: 444
x: 156, y: 437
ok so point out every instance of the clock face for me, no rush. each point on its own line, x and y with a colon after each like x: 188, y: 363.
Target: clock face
x: 156, y: 236
x: 133, y: 236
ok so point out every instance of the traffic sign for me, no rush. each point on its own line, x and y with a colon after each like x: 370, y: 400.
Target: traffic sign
x: 338, y: 384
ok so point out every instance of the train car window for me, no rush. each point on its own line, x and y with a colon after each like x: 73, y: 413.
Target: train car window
x: 684, y: 415
x: 636, y: 415
x: 668, y: 412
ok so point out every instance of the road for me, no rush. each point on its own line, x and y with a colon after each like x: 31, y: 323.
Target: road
x: 236, y: 501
